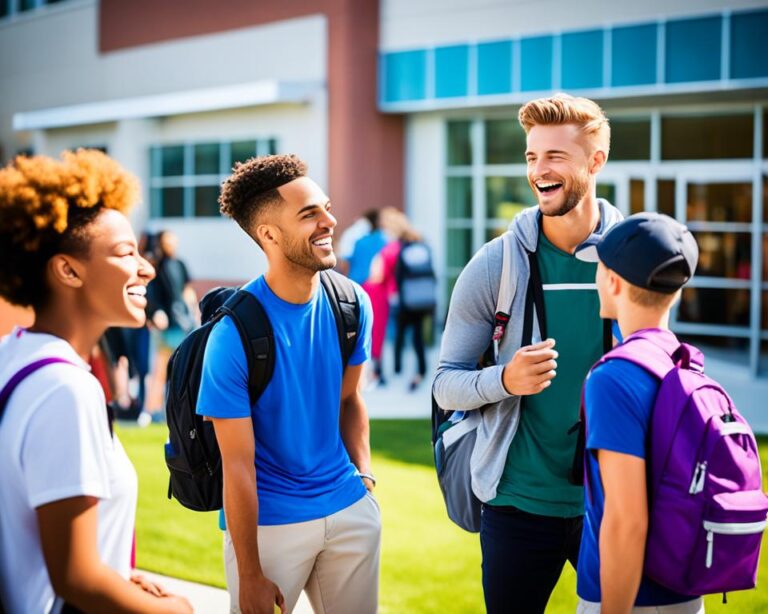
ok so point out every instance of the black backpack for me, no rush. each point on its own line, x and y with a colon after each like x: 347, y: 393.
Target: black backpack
x: 415, y: 276
x: 192, y: 453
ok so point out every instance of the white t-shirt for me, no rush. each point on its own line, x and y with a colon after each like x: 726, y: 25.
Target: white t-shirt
x: 55, y: 444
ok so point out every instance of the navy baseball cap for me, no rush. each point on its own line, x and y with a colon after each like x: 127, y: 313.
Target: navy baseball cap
x: 651, y: 251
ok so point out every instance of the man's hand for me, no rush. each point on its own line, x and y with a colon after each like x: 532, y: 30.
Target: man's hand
x: 531, y: 369
x: 259, y: 595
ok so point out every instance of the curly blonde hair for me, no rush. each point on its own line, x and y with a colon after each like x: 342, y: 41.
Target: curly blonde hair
x: 46, y: 206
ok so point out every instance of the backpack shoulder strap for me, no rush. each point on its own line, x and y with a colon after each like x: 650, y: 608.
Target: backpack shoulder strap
x: 22, y: 374
x: 346, y: 310
x: 507, y: 289
x: 647, y: 353
x: 255, y: 329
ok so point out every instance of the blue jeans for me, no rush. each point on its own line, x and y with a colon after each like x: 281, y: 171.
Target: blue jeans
x: 523, y: 556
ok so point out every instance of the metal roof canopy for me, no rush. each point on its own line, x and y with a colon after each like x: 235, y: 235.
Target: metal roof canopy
x: 236, y: 96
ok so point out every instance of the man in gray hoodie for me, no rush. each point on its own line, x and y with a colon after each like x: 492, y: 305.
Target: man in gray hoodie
x: 532, y: 515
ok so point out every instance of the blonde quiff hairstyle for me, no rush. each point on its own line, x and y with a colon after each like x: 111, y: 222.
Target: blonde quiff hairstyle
x: 562, y: 109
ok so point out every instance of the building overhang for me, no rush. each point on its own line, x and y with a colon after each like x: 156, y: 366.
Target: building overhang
x: 238, y: 96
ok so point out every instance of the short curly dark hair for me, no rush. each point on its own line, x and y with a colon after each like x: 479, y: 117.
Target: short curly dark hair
x: 252, y: 187
x: 46, y: 206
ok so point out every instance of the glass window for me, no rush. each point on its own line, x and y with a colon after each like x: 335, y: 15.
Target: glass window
x: 636, y: 196
x: 714, y: 306
x: 724, y: 254
x: 4, y: 8
x: 206, y: 201
x: 459, y: 143
x: 25, y: 5
x: 536, y: 63
x: 240, y: 151
x: 765, y: 132
x: 507, y: 196
x: 458, y: 246
x: 582, y: 59
x: 607, y: 191
x: 707, y: 138
x: 494, y: 68
x: 271, y: 147
x: 633, y: 55
x: 765, y: 198
x: 172, y: 161
x: 459, y: 197
x: 405, y: 75
x: 749, y: 45
x: 665, y: 197
x: 171, y: 202
x: 504, y: 142
x: 630, y: 139
x: 451, y: 71
x: 719, y: 202
x: 207, y: 158
x: 764, y: 357
x: 764, y: 318
x: 765, y: 257
x: 693, y: 49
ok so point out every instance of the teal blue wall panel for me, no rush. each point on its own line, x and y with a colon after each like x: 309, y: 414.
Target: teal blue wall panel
x: 582, y: 60
x: 405, y: 75
x: 536, y: 63
x: 451, y: 71
x: 749, y: 45
x: 494, y: 68
x: 693, y: 48
x: 633, y: 55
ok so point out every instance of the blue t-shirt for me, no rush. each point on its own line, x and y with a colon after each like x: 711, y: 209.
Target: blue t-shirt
x: 619, y: 399
x: 366, y: 249
x: 303, y: 470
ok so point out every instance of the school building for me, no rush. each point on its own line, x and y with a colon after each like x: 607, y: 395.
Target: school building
x: 413, y: 103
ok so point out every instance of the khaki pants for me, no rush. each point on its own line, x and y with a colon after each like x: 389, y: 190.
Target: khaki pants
x: 695, y: 606
x: 334, y: 559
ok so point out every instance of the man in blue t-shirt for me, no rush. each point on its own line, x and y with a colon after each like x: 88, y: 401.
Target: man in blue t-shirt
x: 311, y: 523
x: 644, y: 261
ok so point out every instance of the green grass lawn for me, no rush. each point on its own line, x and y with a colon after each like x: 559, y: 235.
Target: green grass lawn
x: 427, y: 565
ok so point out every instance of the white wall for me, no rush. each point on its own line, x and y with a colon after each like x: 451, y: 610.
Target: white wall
x: 423, y: 23
x: 425, y: 183
x: 50, y: 58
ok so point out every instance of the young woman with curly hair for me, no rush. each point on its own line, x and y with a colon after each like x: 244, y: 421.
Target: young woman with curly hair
x: 68, y: 493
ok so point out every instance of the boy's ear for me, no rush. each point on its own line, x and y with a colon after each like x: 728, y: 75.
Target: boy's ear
x: 615, y: 283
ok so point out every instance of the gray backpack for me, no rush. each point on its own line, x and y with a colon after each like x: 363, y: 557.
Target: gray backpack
x: 454, y: 431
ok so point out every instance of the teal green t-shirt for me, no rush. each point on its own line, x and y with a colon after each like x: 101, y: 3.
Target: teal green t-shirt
x: 535, y: 477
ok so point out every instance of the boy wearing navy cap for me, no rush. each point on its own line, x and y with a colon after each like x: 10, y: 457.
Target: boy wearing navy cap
x: 644, y: 262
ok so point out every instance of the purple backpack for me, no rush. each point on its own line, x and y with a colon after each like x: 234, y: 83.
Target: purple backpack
x: 707, y: 508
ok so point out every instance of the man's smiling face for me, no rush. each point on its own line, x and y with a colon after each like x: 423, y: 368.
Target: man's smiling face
x: 306, y: 225
x: 558, y: 158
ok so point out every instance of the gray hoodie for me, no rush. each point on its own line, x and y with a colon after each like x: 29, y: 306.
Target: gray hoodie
x: 458, y: 383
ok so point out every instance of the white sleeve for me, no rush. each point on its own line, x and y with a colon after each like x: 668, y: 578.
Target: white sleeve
x: 63, y: 454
